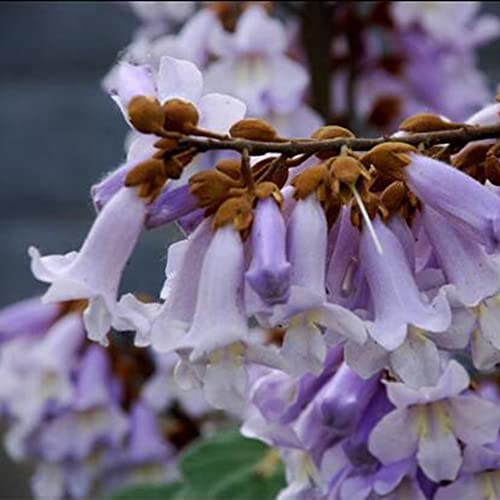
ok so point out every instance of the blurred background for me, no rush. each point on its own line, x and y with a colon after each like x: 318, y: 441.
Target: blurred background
x: 59, y: 133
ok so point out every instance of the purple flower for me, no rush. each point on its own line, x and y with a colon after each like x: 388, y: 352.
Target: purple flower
x: 29, y: 317
x: 93, y: 417
x: 304, y: 345
x: 397, y: 301
x: 177, y: 78
x: 430, y: 422
x: 40, y: 368
x: 269, y: 271
x: 94, y: 272
x: 253, y: 66
x: 474, y: 274
x: 464, y: 202
x: 479, y: 476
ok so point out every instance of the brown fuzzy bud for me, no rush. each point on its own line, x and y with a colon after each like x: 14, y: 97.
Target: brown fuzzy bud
x: 144, y: 172
x: 389, y: 158
x: 471, y: 155
x: 173, y: 168
x: 146, y: 114
x: 348, y: 169
x: 427, y: 122
x: 265, y: 190
x: 180, y: 116
x: 253, y: 129
x: 330, y: 132
x: 236, y: 211
x: 230, y: 167
x: 211, y: 187
x: 393, y: 196
x: 309, y: 180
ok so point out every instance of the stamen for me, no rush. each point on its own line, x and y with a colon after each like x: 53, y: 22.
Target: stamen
x: 367, y: 219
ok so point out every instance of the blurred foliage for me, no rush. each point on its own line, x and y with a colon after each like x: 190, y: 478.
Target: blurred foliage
x: 225, y: 466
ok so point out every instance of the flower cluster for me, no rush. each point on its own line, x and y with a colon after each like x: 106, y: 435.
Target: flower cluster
x: 338, y: 295
x: 93, y: 419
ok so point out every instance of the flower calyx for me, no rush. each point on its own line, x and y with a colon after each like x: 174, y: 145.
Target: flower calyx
x: 312, y: 180
x: 331, y: 132
x: 253, y: 129
x: 149, y: 176
x: 146, y: 114
x: 428, y: 122
x: 237, y: 211
x: 389, y: 158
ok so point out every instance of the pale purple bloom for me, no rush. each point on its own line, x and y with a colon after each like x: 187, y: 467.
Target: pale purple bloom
x: 397, y: 301
x: 40, y: 369
x: 474, y: 274
x: 342, y: 275
x: 479, y: 477
x: 269, y: 271
x: 304, y: 345
x: 429, y: 422
x: 253, y: 66
x: 178, y: 79
x: 184, y: 270
x: 457, y: 25
x: 94, y: 272
x: 28, y: 317
x: 463, y: 201
x: 93, y: 418
x: 191, y: 42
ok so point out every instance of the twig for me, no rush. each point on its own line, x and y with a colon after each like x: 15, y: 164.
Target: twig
x: 295, y: 147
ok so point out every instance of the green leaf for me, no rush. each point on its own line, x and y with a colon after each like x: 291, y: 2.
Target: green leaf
x: 229, y: 466
x: 149, y: 492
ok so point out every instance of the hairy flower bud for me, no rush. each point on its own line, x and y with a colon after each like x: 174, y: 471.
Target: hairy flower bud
x: 180, y: 116
x: 211, y: 187
x: 389, y: 158
x: 253, y: 129
x: 393, y: 196
x: 144, y: 172
x: 330, y: 132
x: 269, y: 190
x: 427, y: 122
x: 348, y: 169
x: 309, y: 180
x: 236, y: 211
x: 230, y: 167
x: 146, y: 114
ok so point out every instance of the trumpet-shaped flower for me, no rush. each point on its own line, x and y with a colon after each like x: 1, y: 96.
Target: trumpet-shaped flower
x: 95, y: 271
x: 429, y: 422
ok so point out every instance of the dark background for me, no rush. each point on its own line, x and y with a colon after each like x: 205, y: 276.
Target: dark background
x: 58, y: 134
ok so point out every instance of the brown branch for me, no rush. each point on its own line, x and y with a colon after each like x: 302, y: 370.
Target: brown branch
x: 295, y: 147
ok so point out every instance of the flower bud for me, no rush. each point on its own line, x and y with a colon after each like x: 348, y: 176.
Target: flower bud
x: 393, y: 196
x: 309, y: 180
x: 330, y: 132
x: 144, y: 172
x: 180, y: 116
x: 348, y: 169
x: 253, y: 129
x: 389, y: 158
x: 211, y: 187
x: 427, y: 122
x: 230, y: 167
x: 146, y: 114
x: 236, y: 211
x: 269, y: 190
